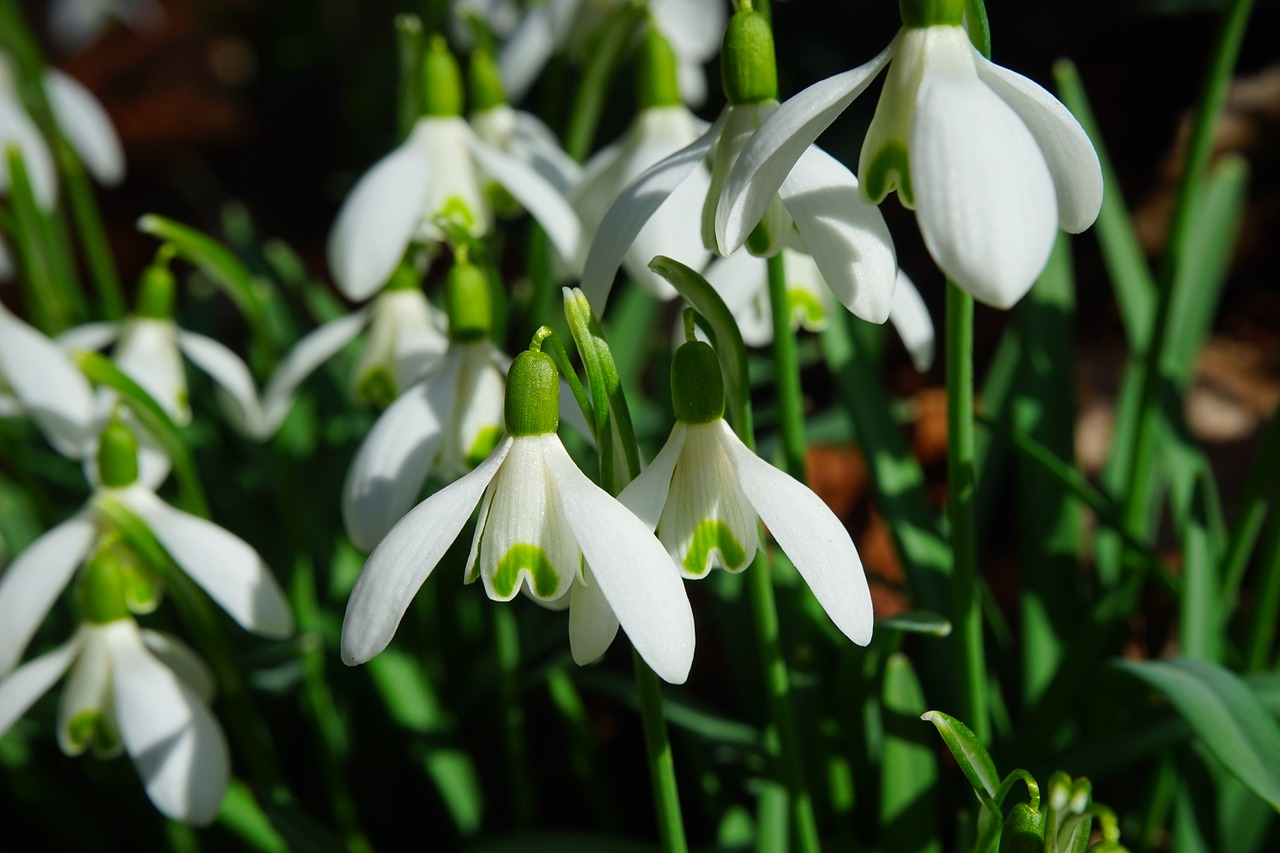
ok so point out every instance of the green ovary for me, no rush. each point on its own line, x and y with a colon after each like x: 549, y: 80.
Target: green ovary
x: 486, y: 440
x: 525, y: 558
x: 889, y: 169
x: 712, y: 535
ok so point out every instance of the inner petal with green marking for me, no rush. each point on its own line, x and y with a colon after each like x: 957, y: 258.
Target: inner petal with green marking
x: 713, y: 542
x: 528, y: 561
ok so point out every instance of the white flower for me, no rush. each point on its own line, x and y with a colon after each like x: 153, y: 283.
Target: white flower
x: 993, y: 163
x: 528, y: 139
x: 223, y: 564
x: 141, y: 690
x: 38, y: 379
x: 19, y: 131
x: 436, y: 172
x: 631, y: 220
x: 742, y: 281
x: 692, y: 26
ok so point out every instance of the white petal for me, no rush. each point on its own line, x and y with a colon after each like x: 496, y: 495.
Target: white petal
x: 406, y: 556
x: 226, y: 369
x: 35, y: 579
x: 147, y: 352
x: 1077, y: 176
x: 693, y: 27
x: 17, y: 130
x: 527, y: 51
x: 815, y: 541
x: 176, y: 744
x: 392, y: 463
x: 592, y: 625
x: 90, y: 337
x: 984, y: 196
x: 183, y: 660
x: 646, y: 495
x: 634, y: 207
x: 20, y: 689
x: 311, y: 351
x: 910, y: 317
x: 534, y: 142
x: 377, y: 221
x: 691, y: 80
x: 535, y: 195
x: 222, y: 563
x: 782, y: 139
x: 632, y: 568
x: 86, y: 125
x: 50, y: 387
x: 742, y: 281
x: 475, y: 411
x: 846, y: 236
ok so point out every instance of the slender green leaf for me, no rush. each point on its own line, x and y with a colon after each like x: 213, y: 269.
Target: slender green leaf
x: 974, y: 760
x: 916, y: 622
x: 241, y: 814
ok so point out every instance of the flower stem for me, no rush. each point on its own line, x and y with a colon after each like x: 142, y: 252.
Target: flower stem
x: 507, y: 641
x: 967, y: 615
x: 787, y: 370
x: 93, y: 239
x: 662, y: 768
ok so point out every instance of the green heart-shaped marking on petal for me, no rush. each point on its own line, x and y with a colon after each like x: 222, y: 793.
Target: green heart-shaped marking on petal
x: 525, y: 557
x: 713, y: 535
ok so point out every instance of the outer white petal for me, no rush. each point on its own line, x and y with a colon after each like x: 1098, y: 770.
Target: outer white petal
x: 35, y: 579
x: 533, y: 141
x: 147, y: 352
x: 984, y: 197
x: 87, y: 126
x: 646, y: 495
x: 1077, y: 176
x: 228, y: 370
x: 50, y: 387
x: 527, y: 51
x: 847, y: 237
x: 392, y: 463
x: 90, y: 337
x: 17, y: 129
x: 811, y: 536
x: 781, y: 140
x: 183, y: 660
x: 474, y: 413
x: 20, y: 689
x: 910, y: 317
x: 633, y: 570
x: 741, y: 280
x: 406, y: 556
x: 536, y: 195
x: 635, y: 206
x: 222, y: 563
x: 311, y: 351
x: 176, y: 744
x: 694, y: 27
x: 378, y: 219
x: 592, y: 625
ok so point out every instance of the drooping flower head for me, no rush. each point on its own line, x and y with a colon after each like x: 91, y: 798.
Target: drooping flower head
x: 544, y: 529
x: 705, y: 494
x: 992, y: 163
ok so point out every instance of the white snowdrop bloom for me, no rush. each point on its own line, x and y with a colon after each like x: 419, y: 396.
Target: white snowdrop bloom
x: 439, y: 172
x: 74, y: 24
x: 566, y: 26
x: 543, y: 527
x: 221, y: 563
x: 630, y: 224
x: 742, y: 281
x: 139, y: 691
x: 37, y: 379
x: 818, y: 208
x: 17, y: 130
x: 992, y: 163
x: 706, y: 492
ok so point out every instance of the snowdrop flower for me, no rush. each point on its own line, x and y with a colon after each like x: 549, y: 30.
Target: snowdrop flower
x: 134, y: 690
x: 225, y: 566
x: 742, y: 281
x: 818, y: 209
x: 706, y: 492
x: 19, y: 131
x: 439, y: 172
x: 544, y: 528
x: 992, y: 163
x: 38, y: 379
x: 692, y: 27
x: 669, y: 225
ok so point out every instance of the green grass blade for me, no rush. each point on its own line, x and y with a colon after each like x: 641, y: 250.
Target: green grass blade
x: 908, y: 768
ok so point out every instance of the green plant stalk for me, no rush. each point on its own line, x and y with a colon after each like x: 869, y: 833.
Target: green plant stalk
x: 966, y: 610
x: 507, y: 640
x: 45, y: 300
x: 592, y: 93
x: 662, y: 769
x: 786, y: 370
x: 1254, y: 505
x: 93, y: 238
x: 1262, y: 632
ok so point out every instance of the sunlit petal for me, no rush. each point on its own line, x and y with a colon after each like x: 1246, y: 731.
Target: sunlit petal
x: 910, y: 317
x: 17, y: 130
x: 147, y: 352
x: 20, y: 689
x: 49, y: 386
x: 592, y: 625
x: 86, y: 125
x: 311, y: 351
x: 646, y: 495
x: 226, y: 369
x: 183, y: 660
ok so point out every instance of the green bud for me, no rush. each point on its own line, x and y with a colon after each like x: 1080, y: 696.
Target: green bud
x: 485, y: 83
x: 441, y: 81
x: 117, y: 455
x: 747, y: 66
x: 533, y: 395
x: 468, y: 301
x: 656, y: 72
x: 932, y: 13
x: 156, y: 293
x: 100, y: 593
x: 1023, y: 831
x: 697, y: 388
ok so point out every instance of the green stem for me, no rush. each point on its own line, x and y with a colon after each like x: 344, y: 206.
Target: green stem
x: 662, y: 769
x: 787, y: 370
x: 593, y: 92
x: 1262, y: 633
x: 1253, y: 511
x: 507, y: 639
x: 967, y: 615
x: 93, y: 238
